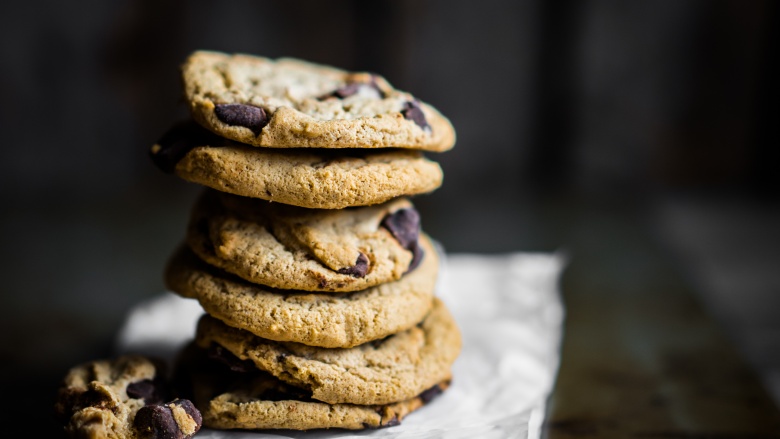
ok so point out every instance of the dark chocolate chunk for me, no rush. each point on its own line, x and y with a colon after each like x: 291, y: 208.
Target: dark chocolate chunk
x: 243, y: 115
x: 404, y: 225
x: 235, y: 364
x: 346, y: 91
x: 148, y: 390
x: 353, y: 88
x: 157, y: 421
x: 431, y: 393
x: 413, y: 112
x: 359, y: 269
x: 392, y: 422
x: 192, y: 411
x: 384, y: 413
x: 417, y: 257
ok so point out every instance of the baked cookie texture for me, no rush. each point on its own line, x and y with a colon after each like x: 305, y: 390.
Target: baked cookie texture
x: 249, y: 408
x: 312, y: 178
x: 305, y: 253
x: 290, y: 103
x: 123, y: 398
x: 324, y: 320
x: 235, y: 395
x: 305, y: 249
x: 396, y: 368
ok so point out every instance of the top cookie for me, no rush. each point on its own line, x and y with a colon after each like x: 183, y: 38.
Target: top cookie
x: 289, y: 103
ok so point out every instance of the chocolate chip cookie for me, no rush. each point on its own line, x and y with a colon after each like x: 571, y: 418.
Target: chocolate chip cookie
x: 312, y: 178
x: 306, y: 249
x: 290, y: 103
x: 389, y: 370
x: 327, y: 320
x: 235, y: 395
x: 123, y: 398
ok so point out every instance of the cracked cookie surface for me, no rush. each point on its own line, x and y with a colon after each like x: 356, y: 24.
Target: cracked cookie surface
x: 293, y: 248
x: 327, y: 320
x: 389, y: 370
x: 312, y: 178
x: 290, y: 103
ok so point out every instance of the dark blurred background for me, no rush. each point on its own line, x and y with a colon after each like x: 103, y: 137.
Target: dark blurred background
x: 580, y: 123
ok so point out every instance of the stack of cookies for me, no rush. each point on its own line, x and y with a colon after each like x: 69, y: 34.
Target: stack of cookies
x: 304, y: 250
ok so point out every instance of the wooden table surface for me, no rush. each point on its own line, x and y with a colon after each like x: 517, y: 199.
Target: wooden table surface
x: 640, y: 357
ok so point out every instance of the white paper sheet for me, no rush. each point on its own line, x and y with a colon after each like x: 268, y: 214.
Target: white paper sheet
x: 510, y: 314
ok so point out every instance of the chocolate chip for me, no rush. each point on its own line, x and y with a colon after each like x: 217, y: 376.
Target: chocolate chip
x: 353, y: 88
x: 345, y: 91
x: 431, y: 393
x: 413, y: 112
x: 235, y: 364
x: 417, y: 257
x: 192, y: 411
x: 359, y: 269
x: 157, y: 421
x: 243, y: 115
x: 392, y: 422
x: 148, y: 390
x: 384, y: 413
x: 404, y: 225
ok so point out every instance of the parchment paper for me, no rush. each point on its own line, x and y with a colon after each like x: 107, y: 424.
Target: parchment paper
x: 510, y: 314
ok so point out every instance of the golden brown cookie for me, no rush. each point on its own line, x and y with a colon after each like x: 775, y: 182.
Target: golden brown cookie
x: 235, y: 395
x: 306, y: 249
x: 290, y: 103
x: 327, y: 320
x: 389, y: 370
x: 311, y: 178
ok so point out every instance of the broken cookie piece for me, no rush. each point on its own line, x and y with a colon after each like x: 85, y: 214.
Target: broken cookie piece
x: 123, y: 398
